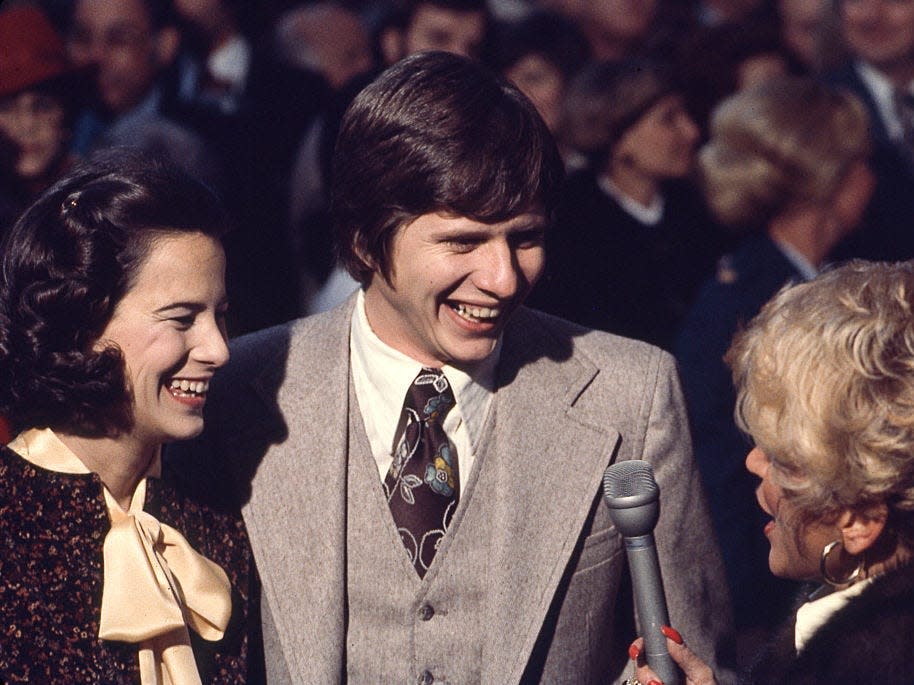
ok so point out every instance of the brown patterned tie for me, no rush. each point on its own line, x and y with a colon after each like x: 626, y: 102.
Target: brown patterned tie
x: 421, y: 486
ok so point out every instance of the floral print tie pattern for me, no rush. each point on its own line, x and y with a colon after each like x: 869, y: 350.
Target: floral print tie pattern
x: 421, y: 486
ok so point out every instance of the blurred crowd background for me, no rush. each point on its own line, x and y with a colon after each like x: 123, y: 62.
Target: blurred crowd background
x: 715, y: 150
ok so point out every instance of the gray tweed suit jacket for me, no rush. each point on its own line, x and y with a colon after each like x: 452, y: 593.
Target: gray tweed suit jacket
x: 574, y: 399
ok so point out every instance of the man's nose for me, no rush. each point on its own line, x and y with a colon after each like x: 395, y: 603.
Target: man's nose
x: 497, y: 272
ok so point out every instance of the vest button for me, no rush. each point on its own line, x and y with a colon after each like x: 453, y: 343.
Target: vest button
x: 425, y: 678
x: 426, y: 611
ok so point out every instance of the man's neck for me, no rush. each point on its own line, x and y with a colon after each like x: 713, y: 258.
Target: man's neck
x: 804, y: 231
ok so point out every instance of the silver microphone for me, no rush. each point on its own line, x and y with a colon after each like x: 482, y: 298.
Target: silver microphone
x: 633, y: 499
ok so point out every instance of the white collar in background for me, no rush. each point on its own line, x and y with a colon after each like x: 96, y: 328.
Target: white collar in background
x: 649, y: 215
x: 813, y: 615
x: 806, y: 268
x: 883, y: 92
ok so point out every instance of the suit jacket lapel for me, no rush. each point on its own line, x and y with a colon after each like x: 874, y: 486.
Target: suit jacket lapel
x: 297, y: 539
x: 539, y: 487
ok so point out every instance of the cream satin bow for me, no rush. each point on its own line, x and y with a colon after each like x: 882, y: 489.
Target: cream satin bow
x: 155, y: 585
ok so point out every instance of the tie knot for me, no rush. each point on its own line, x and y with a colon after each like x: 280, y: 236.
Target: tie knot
x: 431, y: 395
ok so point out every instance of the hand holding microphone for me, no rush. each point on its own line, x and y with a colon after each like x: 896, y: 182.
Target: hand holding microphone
x: 694, y: 670
x: 633, y: 499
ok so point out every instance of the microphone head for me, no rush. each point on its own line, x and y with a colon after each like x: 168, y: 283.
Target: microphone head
x: 632, y: 496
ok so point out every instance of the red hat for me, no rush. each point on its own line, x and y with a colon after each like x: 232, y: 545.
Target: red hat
x: 31, y: 51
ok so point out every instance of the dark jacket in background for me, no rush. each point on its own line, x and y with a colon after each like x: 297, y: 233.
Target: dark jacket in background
x: 745, y: 280
x: 607, y: 270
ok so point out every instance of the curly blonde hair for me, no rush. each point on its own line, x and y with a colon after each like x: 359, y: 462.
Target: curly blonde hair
x: 783, y: 143
x: 825, y: 386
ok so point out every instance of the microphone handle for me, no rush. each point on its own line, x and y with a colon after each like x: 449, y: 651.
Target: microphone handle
x: 650, y: 602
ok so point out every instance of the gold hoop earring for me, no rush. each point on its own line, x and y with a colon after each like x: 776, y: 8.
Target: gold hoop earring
x: 823, y: 567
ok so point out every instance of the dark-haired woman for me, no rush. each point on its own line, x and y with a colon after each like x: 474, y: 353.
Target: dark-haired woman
x: 114, y: 570
x: 632, y: 239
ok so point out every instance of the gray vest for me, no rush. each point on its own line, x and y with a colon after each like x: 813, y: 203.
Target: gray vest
x: 403, y: 629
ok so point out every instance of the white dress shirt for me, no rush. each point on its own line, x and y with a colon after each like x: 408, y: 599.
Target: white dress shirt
x: 382, y: 375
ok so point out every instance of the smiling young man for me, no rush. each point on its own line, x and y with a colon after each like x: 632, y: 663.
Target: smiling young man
x: 509, y: 570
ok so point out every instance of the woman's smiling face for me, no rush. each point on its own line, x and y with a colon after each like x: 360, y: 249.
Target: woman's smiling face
x: 170, y: 329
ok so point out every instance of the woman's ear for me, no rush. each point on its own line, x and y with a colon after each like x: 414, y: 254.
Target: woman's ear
x: 859, y: 530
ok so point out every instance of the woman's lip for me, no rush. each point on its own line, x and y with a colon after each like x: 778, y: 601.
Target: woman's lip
x: 769, y: 527
x: 194, y: 401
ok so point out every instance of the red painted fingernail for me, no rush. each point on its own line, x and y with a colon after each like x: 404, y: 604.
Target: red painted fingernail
x: 633, y: 652
x: 671, y: 633
x: 654, y: 682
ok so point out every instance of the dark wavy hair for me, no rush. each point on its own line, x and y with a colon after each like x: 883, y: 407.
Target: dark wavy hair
x: 435, y: 133
x: 66, y: 264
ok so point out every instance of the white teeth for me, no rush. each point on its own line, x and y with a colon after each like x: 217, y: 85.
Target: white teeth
x: 471, y: 313
x: 186, y: 386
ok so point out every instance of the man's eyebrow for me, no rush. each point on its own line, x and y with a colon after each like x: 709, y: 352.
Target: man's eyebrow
x: 531, y: 225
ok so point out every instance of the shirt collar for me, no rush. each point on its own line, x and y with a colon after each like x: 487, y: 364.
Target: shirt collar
x: 389, y: 372
x: 146, y: 109
x: 806, y: 268
x: 42, y: 447
x: 649, y: 215
x: 814, y: 614
x: 883, y: 92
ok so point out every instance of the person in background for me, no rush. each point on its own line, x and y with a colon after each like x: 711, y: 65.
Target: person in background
x: 457, y: 26
x: 334, y: 42
x: 632, y: 240
x: 39, y: 94
x: 802, y: 24
x: 618, y: 29
x: 825, y: 390
x: 112, y: 307
x: 879, y: 69
x: 326, y: 38
x: 879, y: 37
x: 216, y: 65
x: 459, y: 534
x: 716, y: 61
x: 787, y: 163
x: 541, y: 54
x: 242, y: 150
x: 130, y: 46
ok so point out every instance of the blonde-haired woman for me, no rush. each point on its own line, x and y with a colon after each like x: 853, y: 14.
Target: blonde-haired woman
x: 825, y: 378
x: 787, y: 165
x: 785, y: 151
